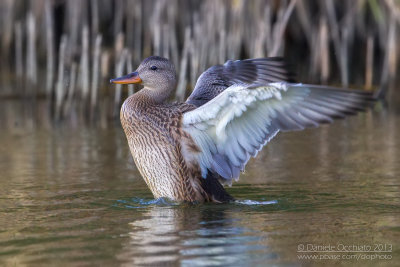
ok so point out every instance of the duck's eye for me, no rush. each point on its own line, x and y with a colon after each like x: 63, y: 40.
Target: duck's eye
x: 153, y: 68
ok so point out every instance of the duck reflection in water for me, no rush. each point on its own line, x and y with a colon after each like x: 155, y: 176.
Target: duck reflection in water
x: 186, y: 233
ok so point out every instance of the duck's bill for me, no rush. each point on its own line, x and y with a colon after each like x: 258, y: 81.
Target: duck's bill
x: 127, y: 79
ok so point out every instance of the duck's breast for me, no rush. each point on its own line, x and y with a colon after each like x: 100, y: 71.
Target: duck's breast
x: 156, y: 148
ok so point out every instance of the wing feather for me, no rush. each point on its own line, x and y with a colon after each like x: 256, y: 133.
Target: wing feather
x: 238, y: 122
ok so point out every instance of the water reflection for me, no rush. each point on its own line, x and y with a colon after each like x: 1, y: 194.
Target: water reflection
x: 193, y: 235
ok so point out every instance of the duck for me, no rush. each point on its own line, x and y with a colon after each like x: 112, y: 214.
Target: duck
x: 190, y: 151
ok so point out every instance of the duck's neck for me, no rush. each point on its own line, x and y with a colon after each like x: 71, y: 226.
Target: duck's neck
x: 155, y: 96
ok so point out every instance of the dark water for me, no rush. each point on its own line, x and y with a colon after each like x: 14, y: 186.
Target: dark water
x: 72, y: 196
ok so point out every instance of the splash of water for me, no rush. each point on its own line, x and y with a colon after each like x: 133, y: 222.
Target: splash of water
x: 254, y: 202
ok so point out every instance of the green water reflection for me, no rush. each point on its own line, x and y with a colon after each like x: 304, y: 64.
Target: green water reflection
x: 71, y: 195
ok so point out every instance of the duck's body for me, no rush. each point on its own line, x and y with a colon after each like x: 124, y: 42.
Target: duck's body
x: 162, y: 150
x: 184, y: 150
x: 156, y: 139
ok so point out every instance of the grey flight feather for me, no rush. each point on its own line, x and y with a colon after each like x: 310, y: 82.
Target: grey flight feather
x: 246, y: 72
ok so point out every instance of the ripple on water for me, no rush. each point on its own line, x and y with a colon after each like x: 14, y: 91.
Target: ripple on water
x: 142, y: 202
x: 136, y: 203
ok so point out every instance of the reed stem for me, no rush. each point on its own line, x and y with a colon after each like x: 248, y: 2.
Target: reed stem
x: 31, y: 64
x: 95, y: 74
x: 18, y: 50
x: 49, y: 47
x: 60, y: 77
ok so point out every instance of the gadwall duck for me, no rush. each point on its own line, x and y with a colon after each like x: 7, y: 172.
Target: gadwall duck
x: 187, y: 151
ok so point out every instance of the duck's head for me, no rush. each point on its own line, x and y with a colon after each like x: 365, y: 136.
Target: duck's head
x: 154, y: 73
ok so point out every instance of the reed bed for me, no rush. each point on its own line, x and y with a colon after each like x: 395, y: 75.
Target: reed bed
x: 66, y: 51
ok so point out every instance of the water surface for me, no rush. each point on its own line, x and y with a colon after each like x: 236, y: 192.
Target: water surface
x: 71, y: 195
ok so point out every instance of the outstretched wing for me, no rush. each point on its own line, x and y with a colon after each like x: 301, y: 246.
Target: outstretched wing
x: 240, y: 72
x: 237, y: 123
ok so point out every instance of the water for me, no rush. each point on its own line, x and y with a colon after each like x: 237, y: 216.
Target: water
x: 71, y: 195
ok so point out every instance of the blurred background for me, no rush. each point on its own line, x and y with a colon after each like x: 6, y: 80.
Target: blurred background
x: 70, y: 192
x: 60, y: 54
